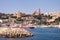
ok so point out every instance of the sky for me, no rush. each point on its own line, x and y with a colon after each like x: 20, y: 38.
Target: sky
x: 29, y: 6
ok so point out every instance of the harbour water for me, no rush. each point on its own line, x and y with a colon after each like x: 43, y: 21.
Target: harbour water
x: 40, y: 34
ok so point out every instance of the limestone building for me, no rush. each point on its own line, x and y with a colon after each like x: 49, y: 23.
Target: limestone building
x: 19, y: 14
x: 37, y: 12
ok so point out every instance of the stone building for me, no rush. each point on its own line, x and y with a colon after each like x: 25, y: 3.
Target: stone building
x: 19, y: 14
x: 37, y: 12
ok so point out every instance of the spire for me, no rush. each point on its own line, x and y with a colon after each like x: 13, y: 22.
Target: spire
x: 38, y: 11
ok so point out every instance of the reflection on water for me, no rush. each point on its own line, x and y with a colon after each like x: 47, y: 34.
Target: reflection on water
x: 40, y: 34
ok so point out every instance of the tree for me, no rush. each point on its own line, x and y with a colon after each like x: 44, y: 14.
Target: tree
x: 57, y: 19
x: 50, y: 17
x: 37, y: 17
x: 19, y: 19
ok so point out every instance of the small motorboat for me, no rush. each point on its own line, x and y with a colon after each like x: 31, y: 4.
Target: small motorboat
x: 29, y: 27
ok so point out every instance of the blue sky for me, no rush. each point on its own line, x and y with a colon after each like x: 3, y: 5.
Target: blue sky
x: 29, y: 6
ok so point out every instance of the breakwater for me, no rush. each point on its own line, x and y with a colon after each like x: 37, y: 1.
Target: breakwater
x: 14, y: 32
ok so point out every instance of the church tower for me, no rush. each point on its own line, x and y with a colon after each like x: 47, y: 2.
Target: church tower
x: 37, y: 12
x: 19, y: 14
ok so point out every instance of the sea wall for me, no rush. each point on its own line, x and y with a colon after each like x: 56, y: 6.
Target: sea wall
x: 14, y: 32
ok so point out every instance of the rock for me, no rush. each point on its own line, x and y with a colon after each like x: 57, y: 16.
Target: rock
x: 14, y: 33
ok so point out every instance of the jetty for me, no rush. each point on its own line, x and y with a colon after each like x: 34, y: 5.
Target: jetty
x: 14, y: 32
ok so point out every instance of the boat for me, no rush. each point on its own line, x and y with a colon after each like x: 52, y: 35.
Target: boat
x: 29, y: 26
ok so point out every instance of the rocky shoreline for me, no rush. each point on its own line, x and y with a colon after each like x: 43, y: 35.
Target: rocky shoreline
x: 14, y: 33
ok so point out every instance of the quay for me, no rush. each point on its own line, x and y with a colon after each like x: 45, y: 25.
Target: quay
x: 14, y: 33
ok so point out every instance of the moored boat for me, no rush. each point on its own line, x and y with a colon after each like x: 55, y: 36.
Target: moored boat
x: 29, y: 26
